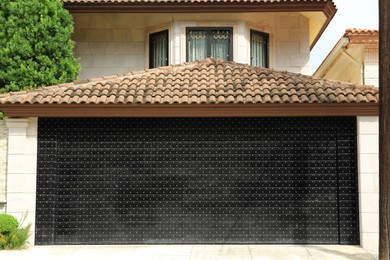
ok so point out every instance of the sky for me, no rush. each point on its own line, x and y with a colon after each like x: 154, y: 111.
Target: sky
x: 361, y: 14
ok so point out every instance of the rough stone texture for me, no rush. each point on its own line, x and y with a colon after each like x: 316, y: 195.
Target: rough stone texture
x: 3, y: 164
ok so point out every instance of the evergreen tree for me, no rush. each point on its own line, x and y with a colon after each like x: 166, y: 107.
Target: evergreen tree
x: 35, y: 45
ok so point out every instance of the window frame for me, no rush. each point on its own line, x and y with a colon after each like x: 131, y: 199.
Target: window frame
x: 251, y: 32
x: 208, y: 40
x: 151, y: 57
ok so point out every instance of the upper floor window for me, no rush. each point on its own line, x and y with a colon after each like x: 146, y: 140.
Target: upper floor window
x: 158, y: 49
x: 259, y: 49
x: 209, y: 42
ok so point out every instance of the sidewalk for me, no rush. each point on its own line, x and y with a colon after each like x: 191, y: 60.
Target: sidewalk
x: 192, y: 252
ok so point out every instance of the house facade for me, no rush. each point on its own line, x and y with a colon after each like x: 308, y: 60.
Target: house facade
x: 202, y: 143
x: 355, y: 58
x: 121, y: 39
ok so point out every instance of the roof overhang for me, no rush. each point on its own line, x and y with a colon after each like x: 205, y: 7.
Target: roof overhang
x: 189, y: 110
x: 327, y: 7
x: 352, y: 37
x: 320, y: 13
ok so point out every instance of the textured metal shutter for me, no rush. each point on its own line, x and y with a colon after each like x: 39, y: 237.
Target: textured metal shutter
x: 197, y: 180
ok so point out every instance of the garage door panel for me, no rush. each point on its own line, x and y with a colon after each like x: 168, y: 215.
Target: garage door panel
x: 204, y: 157
x: 197, y: 180
x: 172, y: 197
x: 194, y: 164
x: 147, y: 176
x: 209, y: 150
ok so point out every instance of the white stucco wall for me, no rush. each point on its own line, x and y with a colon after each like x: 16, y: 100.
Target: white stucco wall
x: 22, y: 169
x: 109, y: 44
x: 368, y: 158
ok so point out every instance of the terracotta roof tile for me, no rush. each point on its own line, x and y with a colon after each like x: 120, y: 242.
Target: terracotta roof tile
x: 177, y: 84
x: 362, y: 36
x: 355, y: 31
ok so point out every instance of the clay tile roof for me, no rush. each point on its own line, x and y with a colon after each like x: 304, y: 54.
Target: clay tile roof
x: 362, y: 36
x: 355, y: 31
x: 246, y: 84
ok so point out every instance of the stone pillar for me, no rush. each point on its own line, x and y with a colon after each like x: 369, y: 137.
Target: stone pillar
x: 22, y: 169
x: 368, y: 156
x: 3, y: 164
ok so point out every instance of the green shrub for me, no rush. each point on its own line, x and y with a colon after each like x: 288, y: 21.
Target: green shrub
x: 8, y: 223
x: 17, y: 238
x: 3, y: 241
x: 12, y: 236
x: 35, y: 44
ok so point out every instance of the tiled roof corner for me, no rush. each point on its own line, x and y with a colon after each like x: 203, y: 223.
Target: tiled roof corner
x: 210, y: 81
x: 355, y: 31
x: 362, y: 36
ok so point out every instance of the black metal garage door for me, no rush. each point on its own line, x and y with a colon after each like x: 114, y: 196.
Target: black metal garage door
x: 197, y: 180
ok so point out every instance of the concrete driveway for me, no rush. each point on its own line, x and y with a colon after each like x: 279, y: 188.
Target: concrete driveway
x: 192, y: 252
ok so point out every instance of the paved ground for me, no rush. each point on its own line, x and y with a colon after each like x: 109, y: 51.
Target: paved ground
x: 191, y: 252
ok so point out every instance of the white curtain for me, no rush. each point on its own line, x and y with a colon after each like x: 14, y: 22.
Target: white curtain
x: 258, y: 49
x: 220, y: 40
x: 197, y: 45
x: 159, y: 50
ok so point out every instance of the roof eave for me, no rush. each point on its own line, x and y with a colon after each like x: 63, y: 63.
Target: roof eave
x: 327, y: 7
x: 329, y: 11
x: 346, y: 40
x: 187, y: 110
x: 332, y: 55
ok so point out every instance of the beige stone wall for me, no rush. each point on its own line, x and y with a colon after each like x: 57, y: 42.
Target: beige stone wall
x: 3, y: 164
x: 288, y: 32
x: 291, y: 41
x: 368, y: 157
x: 109, y: 44
x: 22, y: 169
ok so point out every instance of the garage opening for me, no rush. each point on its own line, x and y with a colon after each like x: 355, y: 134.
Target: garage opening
x: 197, y: 180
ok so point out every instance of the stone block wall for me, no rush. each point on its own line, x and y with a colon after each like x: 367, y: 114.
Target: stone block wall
x: 22, y: 170
x: 368, y: 157
x: 3, y: 164
x: 108, y: 44
x: 291, y: 41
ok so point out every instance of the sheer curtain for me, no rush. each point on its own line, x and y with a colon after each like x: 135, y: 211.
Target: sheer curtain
x: 159, y: 50
x: 220, y: 44
x: 259, y: 46
x: 197, y: 45
x: 209, y: 42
